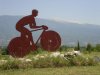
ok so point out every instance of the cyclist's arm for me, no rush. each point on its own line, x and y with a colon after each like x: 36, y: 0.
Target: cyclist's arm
x: 34, y: 26
x: 37, y: 26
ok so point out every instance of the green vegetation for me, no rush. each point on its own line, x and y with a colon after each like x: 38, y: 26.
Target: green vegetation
x: 4, y: 51
x: 48, y: 59
x: 89, y: 47
x: 80, y: 70
x: 78, y: 46
x: 42, y: 62
x: 97, y: 47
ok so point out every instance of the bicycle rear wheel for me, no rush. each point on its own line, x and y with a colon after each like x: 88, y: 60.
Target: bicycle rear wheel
x: 50, y: 40
x: 18, y: 47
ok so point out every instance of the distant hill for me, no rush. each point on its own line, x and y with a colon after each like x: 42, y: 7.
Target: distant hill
x: 69, y: 32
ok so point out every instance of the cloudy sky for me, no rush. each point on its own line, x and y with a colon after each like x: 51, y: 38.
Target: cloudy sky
x: 81, y: 11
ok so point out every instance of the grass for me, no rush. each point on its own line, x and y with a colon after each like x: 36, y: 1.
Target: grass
x: 93, y: 54
x: 46, y: 62
x: 79, y: 70
x: 64, y: 70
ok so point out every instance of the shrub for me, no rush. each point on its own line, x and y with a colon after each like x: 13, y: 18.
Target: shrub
x: 82, y: 61
x: 10, y: 65
x: 97, y: 48
x: 59, y: 62
x: 42, y: 63
x: 38, y: 51
x: 89, y: 48
x: 90, y: 62
x: 4, y: 51
x: 63, y: 48
x: 45, y: 61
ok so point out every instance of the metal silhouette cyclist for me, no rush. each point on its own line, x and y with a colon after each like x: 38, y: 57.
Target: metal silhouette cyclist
x: 22, y: 45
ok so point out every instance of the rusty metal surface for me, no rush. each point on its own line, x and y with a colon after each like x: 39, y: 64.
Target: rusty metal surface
x: 50, y: 40
x: 22, y: 45
x: 18, y: 47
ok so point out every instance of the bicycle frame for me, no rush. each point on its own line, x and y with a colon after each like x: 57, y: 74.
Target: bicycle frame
x: 40, y: 34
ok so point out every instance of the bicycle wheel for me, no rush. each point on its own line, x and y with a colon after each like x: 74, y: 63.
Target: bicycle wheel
x: 18, y: 47
x: 50, y: 40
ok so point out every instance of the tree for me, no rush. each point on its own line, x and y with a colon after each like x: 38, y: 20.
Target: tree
x: 89, y: 47
x: 78, y: 46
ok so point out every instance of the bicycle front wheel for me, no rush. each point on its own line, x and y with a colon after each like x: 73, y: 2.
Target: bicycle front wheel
x: 50, y: 40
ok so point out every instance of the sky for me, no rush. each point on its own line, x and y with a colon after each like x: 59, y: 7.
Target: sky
x: 78, y: 11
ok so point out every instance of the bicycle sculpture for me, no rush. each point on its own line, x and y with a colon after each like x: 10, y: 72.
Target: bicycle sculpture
x: 20, y: 46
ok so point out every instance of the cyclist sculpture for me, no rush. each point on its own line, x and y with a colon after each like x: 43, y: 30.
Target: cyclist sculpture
x: 20, y: 46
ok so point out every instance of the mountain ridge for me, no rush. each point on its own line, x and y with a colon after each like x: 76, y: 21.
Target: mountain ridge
x: 69, y: 32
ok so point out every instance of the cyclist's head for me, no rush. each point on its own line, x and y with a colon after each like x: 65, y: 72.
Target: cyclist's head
x: 34, y: 12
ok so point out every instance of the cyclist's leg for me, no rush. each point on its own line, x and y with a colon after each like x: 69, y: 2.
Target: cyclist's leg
x: 25, y: 32
x: 28, y: 35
